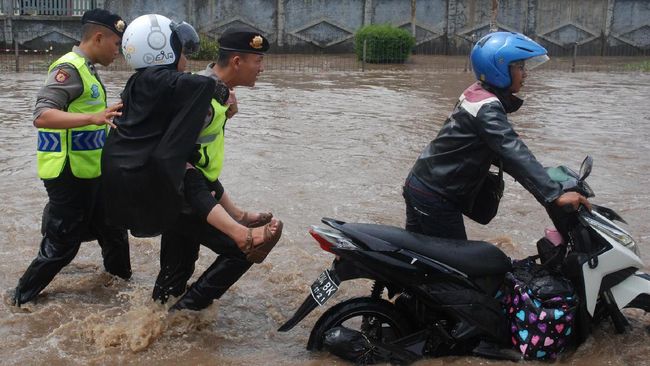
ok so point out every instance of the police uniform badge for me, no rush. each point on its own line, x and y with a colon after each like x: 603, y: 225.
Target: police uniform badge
x: 120, y: 25
x: 243, y: 39
x: 61, y: 76
x: 257, y: 42
x: 106, y: 19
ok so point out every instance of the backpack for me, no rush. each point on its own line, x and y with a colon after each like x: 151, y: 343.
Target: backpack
x: 540, y: 306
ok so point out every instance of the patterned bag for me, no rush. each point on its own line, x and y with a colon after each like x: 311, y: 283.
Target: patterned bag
x: 540, y: 307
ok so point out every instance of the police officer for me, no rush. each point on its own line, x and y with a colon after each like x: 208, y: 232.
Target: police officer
x: 73, y: 120
x: 215, y: 221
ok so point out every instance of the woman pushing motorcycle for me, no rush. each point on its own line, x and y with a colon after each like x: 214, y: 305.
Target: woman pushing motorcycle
x: 451, y: 177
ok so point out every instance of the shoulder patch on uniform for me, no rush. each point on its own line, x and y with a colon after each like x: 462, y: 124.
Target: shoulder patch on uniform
x: 61, y: 76
x: 94, y: 91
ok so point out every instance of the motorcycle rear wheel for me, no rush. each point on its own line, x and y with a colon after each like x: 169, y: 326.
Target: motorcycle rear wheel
x: 377, y: 319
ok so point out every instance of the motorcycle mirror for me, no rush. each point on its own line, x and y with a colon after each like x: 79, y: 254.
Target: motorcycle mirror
x: 585, y: 167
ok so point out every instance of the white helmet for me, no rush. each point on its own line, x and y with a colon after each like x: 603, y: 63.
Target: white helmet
x: 148, y: 41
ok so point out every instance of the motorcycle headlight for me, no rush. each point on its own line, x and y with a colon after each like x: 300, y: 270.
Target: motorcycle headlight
x: 619, y: 236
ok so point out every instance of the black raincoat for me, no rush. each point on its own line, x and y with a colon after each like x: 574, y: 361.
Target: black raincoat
x: 143, y: 163
x: 476, y: 135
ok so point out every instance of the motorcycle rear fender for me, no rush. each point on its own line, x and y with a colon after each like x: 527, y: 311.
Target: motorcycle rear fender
x: 340, y: 271
x: 630, y: 288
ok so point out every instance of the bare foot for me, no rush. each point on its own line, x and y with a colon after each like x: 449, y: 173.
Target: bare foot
x: 255, y: 219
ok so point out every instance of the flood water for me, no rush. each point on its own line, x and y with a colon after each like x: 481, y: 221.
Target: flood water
x: 307, y: 146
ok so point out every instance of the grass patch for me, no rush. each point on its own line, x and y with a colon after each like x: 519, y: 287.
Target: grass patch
x: 643, y: 66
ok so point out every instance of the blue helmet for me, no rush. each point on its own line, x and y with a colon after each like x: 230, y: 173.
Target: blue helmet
x: 492, y: 55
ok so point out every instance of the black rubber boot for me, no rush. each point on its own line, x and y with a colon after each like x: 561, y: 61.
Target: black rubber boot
x: 213, y: 283
x: 172, y: 281
x: 179, y: 251
x: 50, y: 259
x: 115, y: 250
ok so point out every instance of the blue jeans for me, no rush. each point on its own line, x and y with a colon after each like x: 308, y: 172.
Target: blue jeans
x: 431, y: 214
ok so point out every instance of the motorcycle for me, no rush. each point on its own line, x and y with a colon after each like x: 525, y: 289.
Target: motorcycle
x: 442, y: 293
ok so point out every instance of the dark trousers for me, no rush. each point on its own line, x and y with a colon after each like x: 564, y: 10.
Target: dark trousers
x: 431, y: 214
x: 178, y: 253
x: 75, y: 213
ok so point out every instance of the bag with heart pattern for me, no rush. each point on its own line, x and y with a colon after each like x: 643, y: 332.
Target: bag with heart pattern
x: 540, y: 307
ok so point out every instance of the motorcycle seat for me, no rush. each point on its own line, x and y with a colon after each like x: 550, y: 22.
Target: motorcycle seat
x: 474, y: 258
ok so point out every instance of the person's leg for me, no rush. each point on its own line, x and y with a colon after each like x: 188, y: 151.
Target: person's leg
x: 200, y: 197
x: 179, y: 250
x: 66, y: 221
x: 220, y: 276
x: 432, y: 215
x: 85, y: 236
x: 113, y: 240
x: 115, y: 251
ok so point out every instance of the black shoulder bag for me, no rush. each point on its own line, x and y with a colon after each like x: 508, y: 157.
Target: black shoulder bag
x: 487, y: 200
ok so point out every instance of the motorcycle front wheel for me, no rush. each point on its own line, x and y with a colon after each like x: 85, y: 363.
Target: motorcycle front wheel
x: 377, y: 319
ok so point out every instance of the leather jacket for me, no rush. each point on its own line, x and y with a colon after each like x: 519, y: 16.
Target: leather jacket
x: 476, y: 135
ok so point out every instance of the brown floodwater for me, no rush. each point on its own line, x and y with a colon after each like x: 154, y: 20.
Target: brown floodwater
x: 306, y: 146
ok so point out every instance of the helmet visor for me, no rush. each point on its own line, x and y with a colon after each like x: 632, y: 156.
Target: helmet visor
x: 187, y: 35
x: 536, y: 61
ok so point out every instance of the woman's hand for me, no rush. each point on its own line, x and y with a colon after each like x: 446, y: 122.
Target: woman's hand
x: 574, y: 199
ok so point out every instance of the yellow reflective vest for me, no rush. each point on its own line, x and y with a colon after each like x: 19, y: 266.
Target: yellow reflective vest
x: 82, y: 146
x: 211, y: 141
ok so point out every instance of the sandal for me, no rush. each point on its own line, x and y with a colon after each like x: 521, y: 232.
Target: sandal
x: 257, y: 254
x: 265, y: 218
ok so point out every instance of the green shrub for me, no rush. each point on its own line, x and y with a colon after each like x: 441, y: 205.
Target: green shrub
x: 384, y: 43
x: 638, y: 66
x: 209, y: 49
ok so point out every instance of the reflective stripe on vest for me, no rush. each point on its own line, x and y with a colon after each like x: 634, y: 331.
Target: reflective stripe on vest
x: 49, y: 141
x: 88, y: 140
x: 81, y: 146
x: 211, y: 140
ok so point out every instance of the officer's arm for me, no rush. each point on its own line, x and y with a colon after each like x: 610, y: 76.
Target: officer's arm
x: 54, y: 118
x: 63, y: 86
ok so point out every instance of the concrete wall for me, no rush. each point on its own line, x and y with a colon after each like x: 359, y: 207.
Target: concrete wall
x: 598, y: 27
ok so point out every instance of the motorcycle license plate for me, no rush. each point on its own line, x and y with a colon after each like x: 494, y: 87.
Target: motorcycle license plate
x: 323, y: 288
